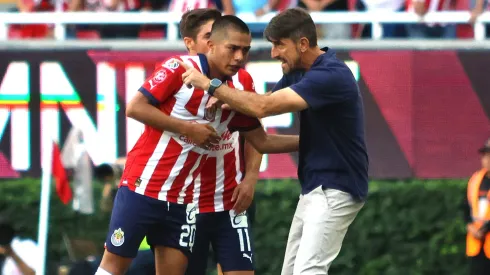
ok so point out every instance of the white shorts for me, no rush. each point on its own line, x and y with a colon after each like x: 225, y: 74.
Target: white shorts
x: 317, y: 231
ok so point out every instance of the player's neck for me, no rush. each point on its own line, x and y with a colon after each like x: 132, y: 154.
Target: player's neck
x: 213, y: 72
x: 309, y: 57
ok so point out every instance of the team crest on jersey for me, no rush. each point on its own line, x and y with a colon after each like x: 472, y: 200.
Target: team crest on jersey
x: 171, y: 64
x: 137, y: 183
x: 117, y: 238
x: 159, y: 76
x: 210, y: 114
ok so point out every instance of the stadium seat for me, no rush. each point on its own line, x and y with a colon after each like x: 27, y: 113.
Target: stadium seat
x: 14, y: 33
x: 465, y: 31
x: 28, y: 31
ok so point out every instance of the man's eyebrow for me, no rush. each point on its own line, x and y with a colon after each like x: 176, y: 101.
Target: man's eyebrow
x: 242, y: 47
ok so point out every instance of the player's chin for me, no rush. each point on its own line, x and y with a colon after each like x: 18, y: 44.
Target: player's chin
x: 232, y: 70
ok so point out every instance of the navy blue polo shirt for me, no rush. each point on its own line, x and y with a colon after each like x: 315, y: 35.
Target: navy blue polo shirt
x: 332, y: 151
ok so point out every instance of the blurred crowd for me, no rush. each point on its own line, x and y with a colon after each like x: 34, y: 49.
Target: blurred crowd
x: 258, y: 7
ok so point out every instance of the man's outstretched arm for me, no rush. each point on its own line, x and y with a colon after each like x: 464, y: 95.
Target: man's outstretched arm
x: 283, y: 101
x: 271, y: 144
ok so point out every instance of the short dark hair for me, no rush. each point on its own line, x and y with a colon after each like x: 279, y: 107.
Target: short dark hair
x: 102, y: 171
x: 192, y: 20
x: 229, y: 22
x: 292, y: 24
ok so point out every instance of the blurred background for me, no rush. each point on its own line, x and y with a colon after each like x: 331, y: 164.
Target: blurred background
x: 68, y: 68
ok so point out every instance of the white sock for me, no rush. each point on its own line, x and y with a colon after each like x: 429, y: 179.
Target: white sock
x: 101, y: 271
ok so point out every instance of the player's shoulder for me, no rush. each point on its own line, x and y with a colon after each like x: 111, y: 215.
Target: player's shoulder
x: 243, y: 73
x: 246, y: 79
x: 245, y: 76
x: 172, y: 65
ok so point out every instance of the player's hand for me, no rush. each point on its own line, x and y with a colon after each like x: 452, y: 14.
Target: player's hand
x: 192, y: 77
x: 243, y: 195
x: 213, y: 104
x: 203, y: 135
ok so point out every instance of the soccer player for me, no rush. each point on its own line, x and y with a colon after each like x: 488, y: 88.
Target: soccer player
x: 333, y: 162
x: 226, y: 183
x: 159, y: 180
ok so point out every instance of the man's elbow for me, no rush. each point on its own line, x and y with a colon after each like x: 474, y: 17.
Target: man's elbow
x: 131, y: 110
x: 260, y: 147
x: 256, y: 144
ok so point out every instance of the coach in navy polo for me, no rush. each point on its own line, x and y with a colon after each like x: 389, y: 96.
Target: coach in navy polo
x: 332, y: 151
x: 333, y: 162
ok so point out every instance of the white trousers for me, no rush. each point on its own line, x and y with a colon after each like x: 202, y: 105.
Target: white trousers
x: 317, y: 231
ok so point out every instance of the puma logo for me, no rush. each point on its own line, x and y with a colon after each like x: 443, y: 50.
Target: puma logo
x: 248, y: 257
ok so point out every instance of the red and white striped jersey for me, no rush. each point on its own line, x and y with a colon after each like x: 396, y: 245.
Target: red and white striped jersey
x: 163, y: 165
x: 224, y: 168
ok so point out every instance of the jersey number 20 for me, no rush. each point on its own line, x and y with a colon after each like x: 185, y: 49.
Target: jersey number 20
x: 187, y: 236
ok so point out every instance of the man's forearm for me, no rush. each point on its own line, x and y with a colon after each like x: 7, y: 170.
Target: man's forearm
x: 280, y: 144
x: 252, y: 162
x: 247, y: 103
x: 23, y: 267
x: 153, y: 117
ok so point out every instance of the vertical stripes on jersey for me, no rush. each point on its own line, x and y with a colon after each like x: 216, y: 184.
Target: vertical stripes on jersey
x: 158, y: 167
x: 207, y: 186
x: 183, y: 176
x: 223, y: 172
x: 167, y: 166
x: 194, y: 104
x: 232, y: 176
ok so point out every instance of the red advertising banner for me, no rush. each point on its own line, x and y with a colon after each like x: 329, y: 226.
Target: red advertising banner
x: 427, y: 112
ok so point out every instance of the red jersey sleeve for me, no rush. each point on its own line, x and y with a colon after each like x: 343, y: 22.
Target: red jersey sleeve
x: 241, y: 122
x: 164, y: 82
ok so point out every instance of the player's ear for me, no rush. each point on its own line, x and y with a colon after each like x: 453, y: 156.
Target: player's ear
x: 303, y: 44
x: 189, y: 43
x: 211, y: 45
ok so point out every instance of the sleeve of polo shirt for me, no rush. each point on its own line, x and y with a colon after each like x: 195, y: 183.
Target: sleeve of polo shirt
x: 322, y: 86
